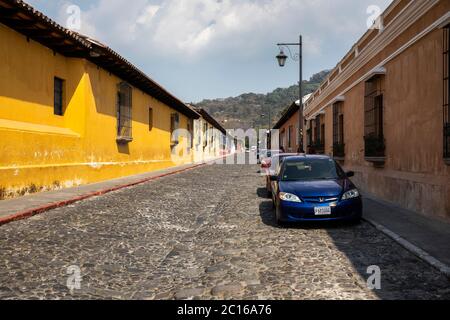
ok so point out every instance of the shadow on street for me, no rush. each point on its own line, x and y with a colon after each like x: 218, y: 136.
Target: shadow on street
x: 364, y: 246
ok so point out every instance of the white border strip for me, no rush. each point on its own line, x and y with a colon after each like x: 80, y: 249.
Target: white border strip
x: 425, y: 256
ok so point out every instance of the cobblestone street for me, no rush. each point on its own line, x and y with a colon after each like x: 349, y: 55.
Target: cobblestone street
x: 207, y: 233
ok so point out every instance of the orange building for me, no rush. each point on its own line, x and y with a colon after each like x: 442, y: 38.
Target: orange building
x: 288, y: 127
x: 383, y: 111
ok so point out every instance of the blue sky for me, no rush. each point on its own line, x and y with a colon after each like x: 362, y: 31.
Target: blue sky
x: 201, y: 49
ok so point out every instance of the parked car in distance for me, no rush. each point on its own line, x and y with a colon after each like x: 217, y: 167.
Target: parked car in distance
x: 314, y: 188
x: 266, y: 155
x: 270, y: 165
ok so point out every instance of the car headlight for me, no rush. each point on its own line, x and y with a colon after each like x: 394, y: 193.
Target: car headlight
x: 354, y: 193
x: 289, y: 197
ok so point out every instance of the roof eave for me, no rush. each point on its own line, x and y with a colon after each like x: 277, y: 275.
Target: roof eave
x: 289, y: 112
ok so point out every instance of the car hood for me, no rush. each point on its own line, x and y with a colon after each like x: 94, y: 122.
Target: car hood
x: 316, y: 188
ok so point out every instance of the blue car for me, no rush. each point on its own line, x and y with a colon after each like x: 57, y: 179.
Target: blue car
x: 314, y: 188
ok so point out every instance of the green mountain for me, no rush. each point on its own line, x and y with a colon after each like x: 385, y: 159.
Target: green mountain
x: 254, y: 110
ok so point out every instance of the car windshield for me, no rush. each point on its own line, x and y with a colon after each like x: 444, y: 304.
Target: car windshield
x: 311, y: 169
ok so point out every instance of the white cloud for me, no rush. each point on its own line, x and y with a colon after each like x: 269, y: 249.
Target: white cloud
x: 192, y: 27
x: 222, y: 45
x: 149, y: 12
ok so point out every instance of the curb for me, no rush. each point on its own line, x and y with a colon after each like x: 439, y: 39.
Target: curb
x: 421, y: 254
x: 35, y: 211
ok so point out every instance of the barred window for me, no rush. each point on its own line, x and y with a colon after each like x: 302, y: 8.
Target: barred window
x: 190, y: 126
x: 317, y: 131
x: 338, y: 130
x: 341, y: 128
x: 174, y: 125
x: 211, y: 133
x: 319, y: 135
x: 124, y: 116
x: 322, y: 134
x: 150, y: 119
x: 205, y: 134
x: 58, y: 91
x: 282, y: 138
x: 373, y: 118
x: 309, y: 137
x: 446, y: 73
x: 289, y: 137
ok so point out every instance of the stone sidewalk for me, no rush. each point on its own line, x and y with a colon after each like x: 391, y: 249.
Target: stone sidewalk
x: 425, y: 236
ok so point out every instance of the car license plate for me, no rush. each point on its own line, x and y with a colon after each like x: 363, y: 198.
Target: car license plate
x: 322, y: 211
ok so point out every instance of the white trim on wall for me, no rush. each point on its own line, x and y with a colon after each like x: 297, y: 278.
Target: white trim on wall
x: 337, y: 99
x: 445, y: 21
x: 408, y: 16
x: 374, y: 72
x: 435, y: 25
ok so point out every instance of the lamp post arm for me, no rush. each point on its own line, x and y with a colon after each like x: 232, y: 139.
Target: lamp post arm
x: 288, y: 44
x: 296, y: 56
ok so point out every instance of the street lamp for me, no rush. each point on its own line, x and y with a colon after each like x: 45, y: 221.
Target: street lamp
x: 282, y: 57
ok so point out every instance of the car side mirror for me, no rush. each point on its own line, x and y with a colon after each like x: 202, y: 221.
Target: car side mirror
x: 273, y: 178
x: 350, y: 174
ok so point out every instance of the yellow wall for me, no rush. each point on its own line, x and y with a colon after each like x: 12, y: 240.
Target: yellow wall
x: 40, y: 151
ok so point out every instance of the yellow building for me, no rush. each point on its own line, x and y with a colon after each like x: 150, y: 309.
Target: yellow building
x: 73, y: 111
